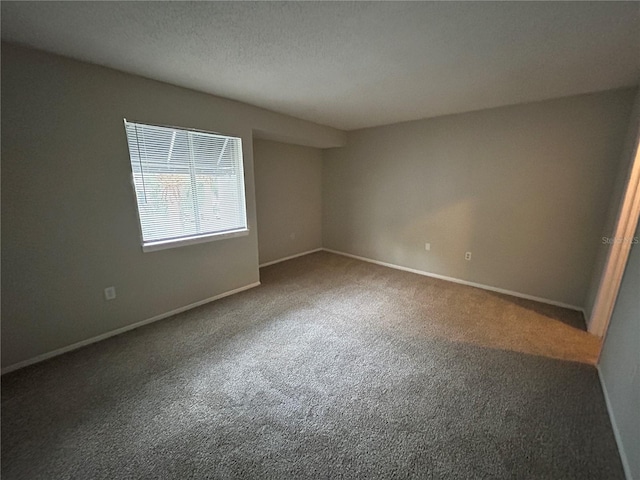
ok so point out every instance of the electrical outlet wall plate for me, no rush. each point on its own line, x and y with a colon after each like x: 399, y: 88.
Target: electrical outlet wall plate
x: 110, y: 293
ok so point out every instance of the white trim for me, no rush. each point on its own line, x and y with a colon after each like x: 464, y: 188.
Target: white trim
x: 460, y: 281
x: 618, y: 254
x: 118, y: 331
x: 614, y: 427
x: 181, y: 242
x: 290, y: 257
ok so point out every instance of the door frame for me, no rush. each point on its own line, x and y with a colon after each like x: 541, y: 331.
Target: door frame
x: 626, y: 223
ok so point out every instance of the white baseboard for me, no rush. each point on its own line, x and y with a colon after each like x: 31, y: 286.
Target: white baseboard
x: 460, y: 281
x: 118, y: 331
x: 126, y: 328
x: 290, y: 257
x: 614, y: 427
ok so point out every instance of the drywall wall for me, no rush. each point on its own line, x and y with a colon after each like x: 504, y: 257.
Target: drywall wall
x: 288, y: 182
x: 615, y: 203
x: 68, y: 208
x: 524, y: 188
x: 620, y: 365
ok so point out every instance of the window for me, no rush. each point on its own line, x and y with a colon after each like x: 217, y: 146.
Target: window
x: 189, y: 185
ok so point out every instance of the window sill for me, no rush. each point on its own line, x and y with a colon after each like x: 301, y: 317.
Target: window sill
x: 181, y: 242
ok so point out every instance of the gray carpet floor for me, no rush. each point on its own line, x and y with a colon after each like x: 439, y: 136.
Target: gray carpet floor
x: 331, y: 369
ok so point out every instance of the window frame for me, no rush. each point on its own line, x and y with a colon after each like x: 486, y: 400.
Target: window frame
x: 156, y: 245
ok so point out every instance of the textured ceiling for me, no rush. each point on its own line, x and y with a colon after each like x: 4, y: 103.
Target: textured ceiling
x: 350, y: 64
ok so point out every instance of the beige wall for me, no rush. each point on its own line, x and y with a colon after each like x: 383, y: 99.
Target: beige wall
x: 524, y: 188
x: 288, y: 198
x: 68, y: 210
x: 620, y: 364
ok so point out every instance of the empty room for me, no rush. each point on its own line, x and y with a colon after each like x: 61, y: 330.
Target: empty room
x: 290, y: 240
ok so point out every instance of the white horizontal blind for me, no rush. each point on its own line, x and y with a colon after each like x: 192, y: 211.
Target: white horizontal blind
x: 188, y: 184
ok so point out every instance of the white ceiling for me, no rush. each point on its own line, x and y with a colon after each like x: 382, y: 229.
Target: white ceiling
x: 350, y: 64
